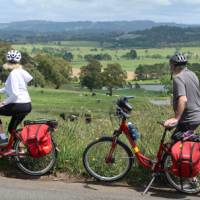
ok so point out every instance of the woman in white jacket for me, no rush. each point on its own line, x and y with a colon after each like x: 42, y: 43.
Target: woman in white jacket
x: 18, y: 102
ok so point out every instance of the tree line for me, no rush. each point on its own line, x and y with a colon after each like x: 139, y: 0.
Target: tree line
x: 155, y: 71
x: 46, y: 70
x: 55, y: 71
x: 161, y: 36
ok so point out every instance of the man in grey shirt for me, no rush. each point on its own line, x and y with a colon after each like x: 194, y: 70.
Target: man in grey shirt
x: 186, y: 96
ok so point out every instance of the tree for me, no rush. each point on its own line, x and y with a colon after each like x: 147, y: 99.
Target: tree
x: 91, y: 76
x: 26, y: 59
x: 68, y: 56
x: 91, y: 57
x: 4, y: 47
x: 155, y: 71
x: 38, y: 78
x: 113, y: 75
x: 131, y: 55
x: 55, y: 70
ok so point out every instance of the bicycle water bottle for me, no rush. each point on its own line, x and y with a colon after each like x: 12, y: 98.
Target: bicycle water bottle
x: 134, y: 133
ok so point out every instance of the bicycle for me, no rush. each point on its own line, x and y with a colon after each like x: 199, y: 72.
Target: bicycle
x: 25, y: 162
x: 108, y: 159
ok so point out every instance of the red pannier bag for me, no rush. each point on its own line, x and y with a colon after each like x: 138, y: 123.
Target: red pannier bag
x: 37, y: 138
x: 186, y: 159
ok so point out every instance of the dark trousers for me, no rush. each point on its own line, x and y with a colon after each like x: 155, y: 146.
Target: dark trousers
x: 183, y: 127
x: 18, y: 111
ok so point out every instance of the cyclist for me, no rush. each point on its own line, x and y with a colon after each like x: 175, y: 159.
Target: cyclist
x: 18, y: 102
x: 186, y: 96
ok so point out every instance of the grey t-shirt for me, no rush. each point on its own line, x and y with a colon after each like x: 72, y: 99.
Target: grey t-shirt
x: 186, y: 84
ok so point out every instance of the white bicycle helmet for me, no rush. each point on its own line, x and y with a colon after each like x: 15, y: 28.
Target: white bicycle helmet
x: 13, y: 56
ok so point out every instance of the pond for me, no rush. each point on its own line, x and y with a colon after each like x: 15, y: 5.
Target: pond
x: 152, y: 87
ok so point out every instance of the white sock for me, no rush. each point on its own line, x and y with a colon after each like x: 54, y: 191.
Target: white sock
x: 3, y: 136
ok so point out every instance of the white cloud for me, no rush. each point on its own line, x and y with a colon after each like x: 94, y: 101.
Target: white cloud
x: 191, y: 2
x: 99, y: 10
x: 20, y: 2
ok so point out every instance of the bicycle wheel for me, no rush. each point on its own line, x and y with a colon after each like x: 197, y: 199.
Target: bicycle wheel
x: 185, y: 185
x: 34, y: 166
x: 94, y: 160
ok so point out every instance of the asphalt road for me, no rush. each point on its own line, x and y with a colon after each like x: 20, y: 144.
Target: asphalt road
x: 18, y: 189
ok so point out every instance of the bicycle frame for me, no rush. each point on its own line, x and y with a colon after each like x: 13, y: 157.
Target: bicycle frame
x: 144, y: 161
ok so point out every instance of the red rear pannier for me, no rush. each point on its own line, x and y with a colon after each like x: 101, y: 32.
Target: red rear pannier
x: 37, y: 138
x: 186, y: 159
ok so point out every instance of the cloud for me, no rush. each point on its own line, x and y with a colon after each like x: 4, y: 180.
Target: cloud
x: 100, y: 10
x: 20, y: 2
x: 190, y: 2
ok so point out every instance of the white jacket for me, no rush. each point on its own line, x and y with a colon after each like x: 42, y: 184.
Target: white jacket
x: 16, y: 87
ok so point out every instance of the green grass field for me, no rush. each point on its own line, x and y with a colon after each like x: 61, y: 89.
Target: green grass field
x: 83, y: 48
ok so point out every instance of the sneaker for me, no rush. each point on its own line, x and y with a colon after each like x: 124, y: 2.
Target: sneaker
x: 4, y: 141
x: 193, y: 183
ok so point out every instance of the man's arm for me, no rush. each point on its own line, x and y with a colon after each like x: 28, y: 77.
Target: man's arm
x: 182, y: 100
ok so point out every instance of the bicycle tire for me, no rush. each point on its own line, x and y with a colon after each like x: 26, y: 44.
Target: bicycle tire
x: 27, y: 164
x: 97, y: 174
x: 174, y: 181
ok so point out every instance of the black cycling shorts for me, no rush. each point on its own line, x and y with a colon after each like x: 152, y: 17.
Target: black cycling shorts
x: 18, y: 111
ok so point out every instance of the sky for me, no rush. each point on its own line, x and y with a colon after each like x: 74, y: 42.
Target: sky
x: 179, y: 11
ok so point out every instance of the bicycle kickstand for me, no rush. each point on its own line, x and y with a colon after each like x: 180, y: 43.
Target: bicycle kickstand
x: 150, y: 183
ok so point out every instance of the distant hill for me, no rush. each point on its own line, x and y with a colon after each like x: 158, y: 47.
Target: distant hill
x: 113, y: 26
x: 142, y: 34
x: 162, y: 36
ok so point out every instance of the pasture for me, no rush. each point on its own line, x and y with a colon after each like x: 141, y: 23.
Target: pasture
x: 81, y: 48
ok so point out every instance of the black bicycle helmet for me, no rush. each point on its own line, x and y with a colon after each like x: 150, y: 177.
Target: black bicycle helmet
x: 178, y: 59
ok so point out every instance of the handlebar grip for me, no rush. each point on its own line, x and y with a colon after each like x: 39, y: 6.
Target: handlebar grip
x: 129, y: 97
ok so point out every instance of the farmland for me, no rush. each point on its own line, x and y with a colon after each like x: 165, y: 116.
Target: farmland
x: 80, y: 49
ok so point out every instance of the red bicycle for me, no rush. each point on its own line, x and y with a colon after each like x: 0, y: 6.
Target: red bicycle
x: 109, y: 159
x: 25, y: 162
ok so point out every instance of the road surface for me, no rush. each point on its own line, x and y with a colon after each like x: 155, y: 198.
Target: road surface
x: 19, y: 189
